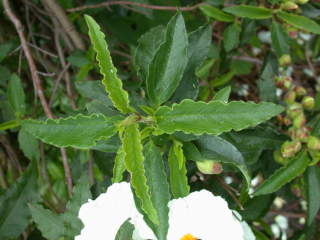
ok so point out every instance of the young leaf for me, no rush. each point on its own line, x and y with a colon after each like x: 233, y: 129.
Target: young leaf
x: 148, y: 45
x: 134, y: 160
x: 125, y: 231
x: 300, y: 22
x: 283, y: 175
x: 248, y: 11
x: 159, y: 187
x: 79, y: 131
x: 119, y: 166
x: 223, y: 94
x: 214, y: 117
x: 14, y: 211
x: 16, y: 96
x: 216, y: 148
x: 9, y: 124
x: 280, y: 39
x: 216, y: 13
x: 167, y: 66
x: 231, y: 36
x: 199, y: 44
x: 313, y: 192
x: 178, y: 172
x: 113, y: 84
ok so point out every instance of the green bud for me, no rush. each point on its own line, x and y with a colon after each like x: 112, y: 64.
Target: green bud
x: 299, y: 121
x: 289, y: 6
x: 279, y: 159
x: 308, y: 102
x: 313, y: 143
x: 315, y: 157
x: 294, y: 110
x: 300, y: 91
x: 289, y: 149
x: 290, y: 97
x: 285, y: 60
x: 209, y: 167
x: 302, y: 1
x: 300, y: 134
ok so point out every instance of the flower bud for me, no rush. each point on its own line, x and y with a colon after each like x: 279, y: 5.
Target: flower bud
x: 296, y: 189
x: 279, y: 159
x: 313, y: 143
x: 290, y: 97
x: 285, y: 60
x: 209, y: 167
x: 289, y: 149
x: 302, y: 1
x: 299, y: 121
x: 294, y: 110
x: 300, y: 134
x: 308, y: 102
x: 300, y: 91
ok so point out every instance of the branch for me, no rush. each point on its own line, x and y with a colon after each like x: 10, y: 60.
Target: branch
x: 154, y: 7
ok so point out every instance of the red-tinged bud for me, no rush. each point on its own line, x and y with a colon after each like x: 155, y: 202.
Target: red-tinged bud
x: 300, y: 134
x: 300, y: 91
x: 285, y: 60
x: 279, y: 159
x: 313, y: 143
x: 290, y: 97
x: 287, y: 121
x: 209, y: 167
x: 287, y: 83
x: 289, y: 149
x: 294, y: 110
x: 308, y: 102
x: 296, y: 189
x: 299, y: 121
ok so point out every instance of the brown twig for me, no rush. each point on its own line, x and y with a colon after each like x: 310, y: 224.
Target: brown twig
x: 37, y: 83
x: 142, y: 5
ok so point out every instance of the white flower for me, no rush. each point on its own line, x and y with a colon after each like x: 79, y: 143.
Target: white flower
x: 200, y: 215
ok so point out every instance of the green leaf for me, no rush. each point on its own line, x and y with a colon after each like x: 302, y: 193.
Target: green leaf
x: 14, y: 211
x: 222, y: 79
x: 148, y: 44
x: 125, y: 231
x: 198, y: 48
x: 178, y: 171
x: 313, y: 192
x: 216, y: 148
x: 223, y: 94
x: 248, y: 11
x: 119, y: 166
x: 283, y: 175
x: 214, y: 117
x: 113, y: 84
x: 134, y: 160
x: 93, y: 90
x: 16, y: 96
x: 231, y: 37
x: 79, y: 131
x: 299, y: 22
x: 216, y: 13
x: 9, y: 124
x: 167, y: 67
x: 48, y: 222
x: 66, y: 225
x: 159, y: 187
x: 266, y: 83
x: 280, y: 39
x: 29, y: 145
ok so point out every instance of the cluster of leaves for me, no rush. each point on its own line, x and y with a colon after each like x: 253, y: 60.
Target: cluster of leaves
x: 166, y: 121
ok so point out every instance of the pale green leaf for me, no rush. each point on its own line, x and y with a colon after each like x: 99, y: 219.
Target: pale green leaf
x: 223, y: 94
x: 134, y: 160
x: 14, y: 212
x: 167, y: 67
x: 283, y: 175
x: 300, y: 22
x: 79, y: 131
x: 216, y: 13
x: 159, y: 187
x: 119, y: 166
x: 113, y: 84
x: 249, y: 11
x: 178, y: 171
x: 214, y: 117
x: 9, y: 124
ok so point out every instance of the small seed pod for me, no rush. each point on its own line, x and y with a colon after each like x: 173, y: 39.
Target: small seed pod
x: 209, y: 167
x: 290, y: 97
x: 313, y: 143
x: 308, y: 102
x: 278, y: 157
x: 294, y: 110
x: 288, y: 5
x: 289, y: 149
x: 299, y: 121
x: 285, y: 60
x: 300, y: 134
x: 300, y: 91
x: 302, y: 1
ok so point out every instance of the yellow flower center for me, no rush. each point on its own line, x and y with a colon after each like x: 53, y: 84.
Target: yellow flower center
x: 188, y: 237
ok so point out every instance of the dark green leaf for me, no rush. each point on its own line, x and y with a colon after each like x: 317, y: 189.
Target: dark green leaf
x: 231, y: 36
x: 216, y: 13
x: 125, y: 231
x: 248, y: 11
x: 167, y: 67
x: 16, y: 96
x: 280, y: 39
x: 313, y: 192
x: 29, y: 145
x: 283, y: 175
